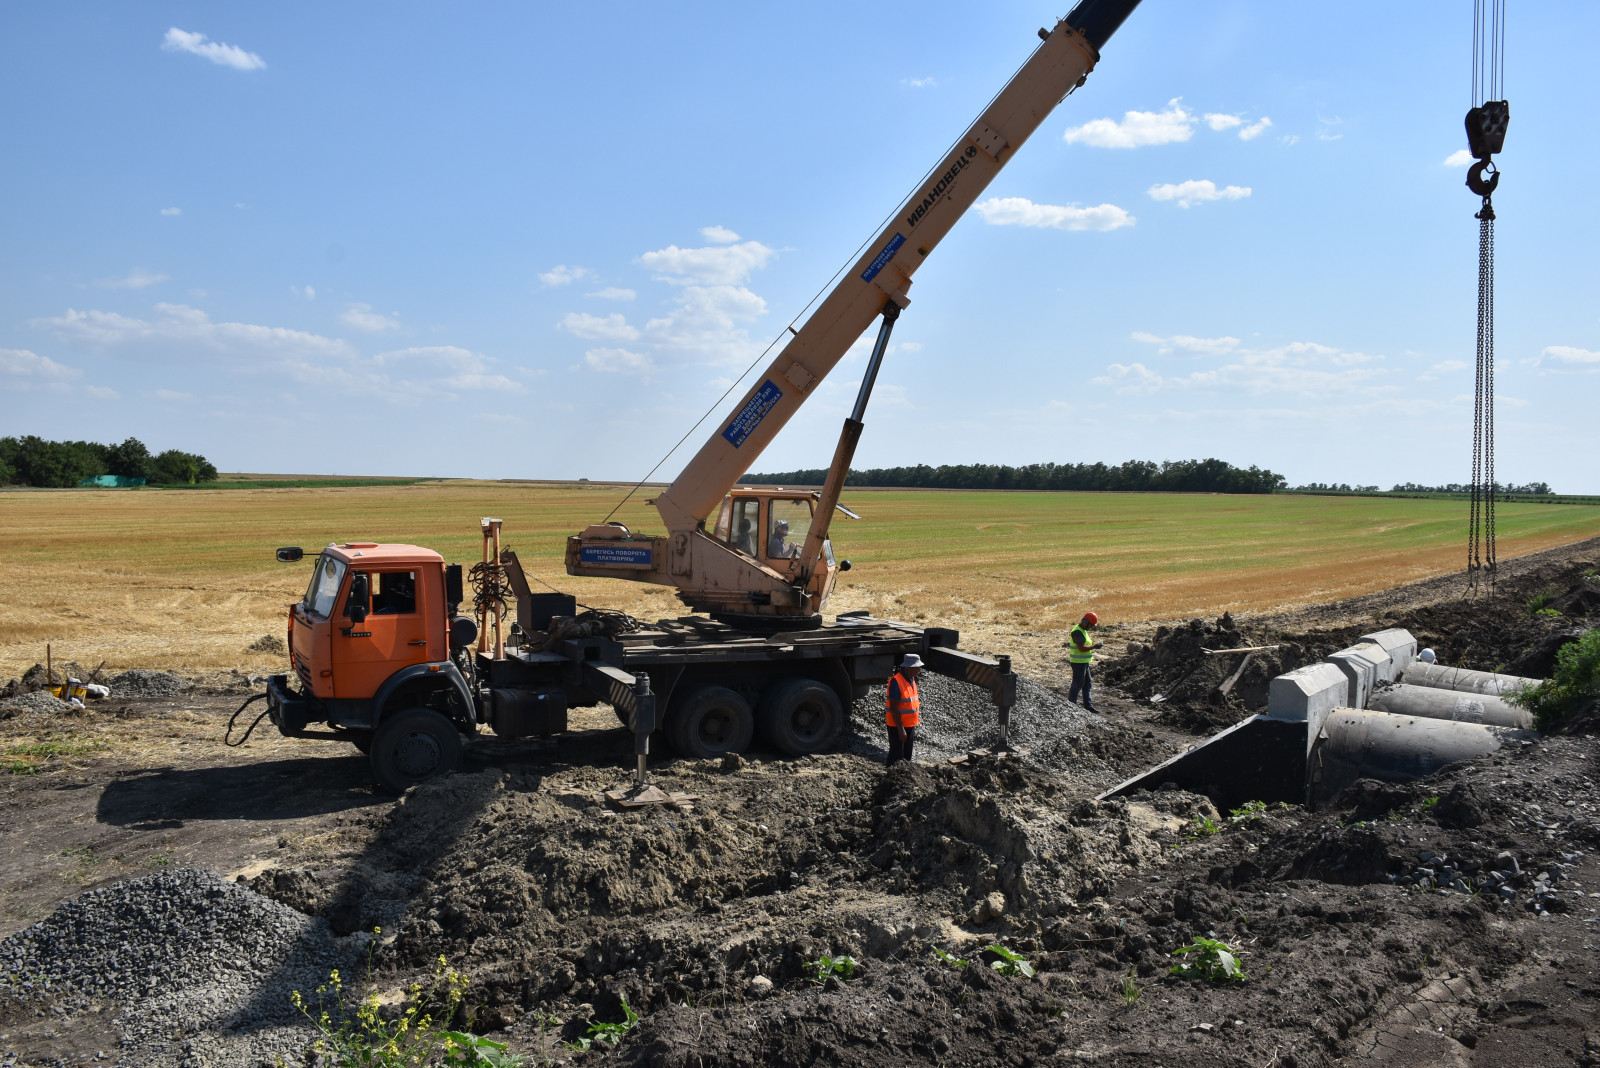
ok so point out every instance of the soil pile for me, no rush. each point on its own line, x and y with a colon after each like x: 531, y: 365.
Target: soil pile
x: 181, y: 967
x: 957, y: 718
x: 34, y: 703
x: 142, y: 683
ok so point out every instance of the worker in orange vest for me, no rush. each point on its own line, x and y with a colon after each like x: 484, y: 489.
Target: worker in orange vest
x: 904, y: 709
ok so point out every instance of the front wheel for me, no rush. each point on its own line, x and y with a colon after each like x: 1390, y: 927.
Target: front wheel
x: 711, y: 722
x: 413, y: 745
x: 800, y: 716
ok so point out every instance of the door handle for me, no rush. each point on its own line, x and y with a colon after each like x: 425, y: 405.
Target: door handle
x: 423, y: 641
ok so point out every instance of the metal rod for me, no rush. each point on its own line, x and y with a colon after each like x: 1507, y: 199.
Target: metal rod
x: 891, y: 312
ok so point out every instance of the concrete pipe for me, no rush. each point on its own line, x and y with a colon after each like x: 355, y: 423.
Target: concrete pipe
x: 1403, y: 700
x: 1464, y: 679
x: 1376, y: 745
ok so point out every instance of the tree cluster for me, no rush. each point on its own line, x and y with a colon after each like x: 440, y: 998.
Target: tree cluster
x: 33, y: 461
x: 1530, y: 488
x: 1171, y: 476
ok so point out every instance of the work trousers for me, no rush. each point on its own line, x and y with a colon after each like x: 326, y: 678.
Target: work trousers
x: 899, y: 750
x: 1080, y: 680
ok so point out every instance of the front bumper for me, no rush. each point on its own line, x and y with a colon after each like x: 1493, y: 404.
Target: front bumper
x: 288, y: 710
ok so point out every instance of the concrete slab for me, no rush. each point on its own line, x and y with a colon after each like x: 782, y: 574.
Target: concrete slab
x: 1399, y: 644
x: 1361, y: 664
x: 1307, y: 694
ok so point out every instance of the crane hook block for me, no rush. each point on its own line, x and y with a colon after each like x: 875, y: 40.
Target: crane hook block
x: 1486, y: 128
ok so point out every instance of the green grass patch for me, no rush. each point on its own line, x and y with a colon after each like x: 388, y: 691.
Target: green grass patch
x: 1574, y: 683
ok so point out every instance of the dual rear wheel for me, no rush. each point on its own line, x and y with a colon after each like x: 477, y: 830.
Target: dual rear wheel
x: 795, y: 716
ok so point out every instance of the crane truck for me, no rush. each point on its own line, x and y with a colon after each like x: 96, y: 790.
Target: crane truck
x: 383, y: 657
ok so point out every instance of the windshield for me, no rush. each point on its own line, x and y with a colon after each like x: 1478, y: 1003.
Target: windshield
x: 324, y: 587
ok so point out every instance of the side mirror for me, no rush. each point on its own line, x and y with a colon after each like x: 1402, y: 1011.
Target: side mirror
x: 291, y: 554
x: 844, y: 565
x: 454, y: 592
x: 359, y: 603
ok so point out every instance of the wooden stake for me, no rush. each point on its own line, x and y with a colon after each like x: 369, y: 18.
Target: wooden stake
x: 499, y: 609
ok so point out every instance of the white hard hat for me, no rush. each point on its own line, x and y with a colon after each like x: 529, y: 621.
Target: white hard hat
x: 911, y: 660
x: 781, y: 524
x: 1427, y: 656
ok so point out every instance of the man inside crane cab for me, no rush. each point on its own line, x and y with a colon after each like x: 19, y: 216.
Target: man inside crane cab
x: 790, y: 520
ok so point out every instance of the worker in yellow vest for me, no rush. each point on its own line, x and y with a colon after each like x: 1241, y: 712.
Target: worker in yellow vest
x: 905, y: 708
x: 1080, y: 654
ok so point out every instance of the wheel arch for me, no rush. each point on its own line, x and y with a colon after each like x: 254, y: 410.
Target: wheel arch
x: 414, y: 685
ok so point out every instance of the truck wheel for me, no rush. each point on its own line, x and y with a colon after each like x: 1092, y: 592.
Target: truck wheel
x: 412, y: 745
x: 711, y: 722
x: 800, y: 716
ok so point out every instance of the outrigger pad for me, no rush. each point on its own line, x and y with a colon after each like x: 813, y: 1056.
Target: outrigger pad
x: 641, y: 797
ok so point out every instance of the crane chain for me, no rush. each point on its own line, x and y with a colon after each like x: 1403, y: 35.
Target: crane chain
x: 1481, y: 525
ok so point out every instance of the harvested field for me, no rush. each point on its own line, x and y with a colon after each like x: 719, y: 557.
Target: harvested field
x: 185, y: 580
x: 558, y: 909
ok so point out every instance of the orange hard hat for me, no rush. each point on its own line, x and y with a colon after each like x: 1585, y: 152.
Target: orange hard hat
x: 1090, y: 617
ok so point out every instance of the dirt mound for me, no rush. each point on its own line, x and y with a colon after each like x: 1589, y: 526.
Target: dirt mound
x: 142, y: 683
x: 268, y: 643
x: 957, y: 718
x: 228, y: 1002
x: 34, y: 703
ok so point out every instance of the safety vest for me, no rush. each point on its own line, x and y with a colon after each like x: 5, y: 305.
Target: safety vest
x: 905, y: 707
x: 1080, y: 637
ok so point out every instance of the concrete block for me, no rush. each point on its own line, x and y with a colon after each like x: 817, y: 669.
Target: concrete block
x: 1307, y: 693
x: 1361, y: 665
x: 1399, y: 644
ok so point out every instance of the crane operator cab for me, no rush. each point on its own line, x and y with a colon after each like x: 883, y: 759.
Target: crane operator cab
x: 769, y: 525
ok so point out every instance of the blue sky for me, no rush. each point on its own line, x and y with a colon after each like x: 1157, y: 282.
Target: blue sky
x: 541, y: 240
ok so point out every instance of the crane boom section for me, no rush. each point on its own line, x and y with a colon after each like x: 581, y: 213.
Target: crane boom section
x: 884, y: 271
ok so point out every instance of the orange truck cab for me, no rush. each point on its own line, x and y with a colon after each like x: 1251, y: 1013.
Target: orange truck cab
x: 381, y: 656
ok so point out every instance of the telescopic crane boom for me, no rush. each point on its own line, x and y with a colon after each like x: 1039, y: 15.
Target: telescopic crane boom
x: 745, y: 567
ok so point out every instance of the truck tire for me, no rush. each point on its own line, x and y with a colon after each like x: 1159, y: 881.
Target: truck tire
x: 413, y: 745
x: 800, y: 716
x: 711, y: 722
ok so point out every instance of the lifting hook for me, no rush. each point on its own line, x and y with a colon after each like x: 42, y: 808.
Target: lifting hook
x: 1478, y: 183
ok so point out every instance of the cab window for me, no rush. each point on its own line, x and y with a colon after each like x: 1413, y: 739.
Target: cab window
x: 395, y: 593
x: 788, y: 522
x: 744, y: 521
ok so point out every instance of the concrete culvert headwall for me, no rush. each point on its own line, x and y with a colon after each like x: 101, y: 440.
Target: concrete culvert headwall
x: 1465, y: 680
x: 1406, y: 700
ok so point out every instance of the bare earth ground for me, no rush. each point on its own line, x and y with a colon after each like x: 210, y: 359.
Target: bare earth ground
x: 555, y: 905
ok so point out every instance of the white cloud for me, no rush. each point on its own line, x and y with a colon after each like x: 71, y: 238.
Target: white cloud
x: 173, y: 395
x: 1020, y: 211
x: 451, y: 367
x: 101, y: 392
x: 613, y: 327
x: 1301, y: 368
x: 1568, y: 354
x: 720, y: 265
x: 1220, y: 122
x: 179, y: 323
x: 1290, y: 139
x: 172, y: 211
x: 718, y: 235
x: 1196, y: 192
x: 1450, y: 365
x: 138, y: 278
x: 20, y: 363
x: 1459, y: 158
x: 1137, y: 128
x: 1200, y: 346
x: 1255, y: 129
x: 1325, y: 128
x: 919, y: 83
x: 613, y: 293
x: 909, y: 346
x: 308, y: 292
x: 362, y: 317
x: 707, y: 322
x: 618, y: 360
x: 225, y: 55
x: 562, y: 275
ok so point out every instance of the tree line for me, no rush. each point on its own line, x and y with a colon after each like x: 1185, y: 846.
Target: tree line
x: 33, y: 461
x: 1539, y: 489
x: 1171, y: 476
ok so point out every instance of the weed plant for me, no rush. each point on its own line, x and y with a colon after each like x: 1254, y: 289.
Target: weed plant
x: 1131, y: 991
x: 823, y: 967
x: 949, y: 958
x: 1574, y: 683
x: 1010, y: 962
x: 607, y: 1034
x: 1208, y: 959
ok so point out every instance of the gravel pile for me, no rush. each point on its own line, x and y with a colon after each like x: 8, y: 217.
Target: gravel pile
x: 141, y: 683
x: 958, y: 718
x: 200, y: 968
x: 36, y: 703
